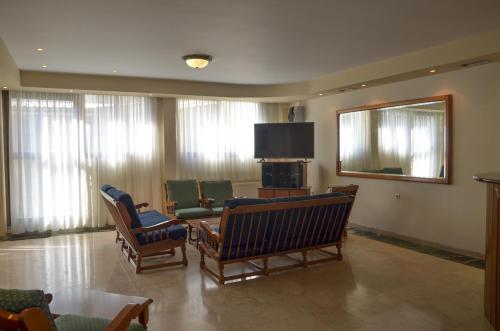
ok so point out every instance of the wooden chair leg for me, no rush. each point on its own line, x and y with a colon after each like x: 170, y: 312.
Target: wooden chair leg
x: 305, y: 263
x: 129, y: 255
x: 266, y: 269
x: 184, y: 257
x: 202, y: 259
x: 172, y: 251
x: 138, y: 262
x: 339, y: 252
x: 221, y: 274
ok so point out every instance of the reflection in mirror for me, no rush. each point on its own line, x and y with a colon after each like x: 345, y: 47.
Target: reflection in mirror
x: 397, y: 140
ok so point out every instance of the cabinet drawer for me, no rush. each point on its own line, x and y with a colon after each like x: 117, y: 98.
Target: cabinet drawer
x: 266, y: 194
x: 281, y: 193
x: 298, y: 192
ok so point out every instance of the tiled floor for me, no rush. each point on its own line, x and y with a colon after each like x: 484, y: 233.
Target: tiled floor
x: 377, y: 287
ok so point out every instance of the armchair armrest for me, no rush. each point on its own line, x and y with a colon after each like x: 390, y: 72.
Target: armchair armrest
x: 207, y: 202
x: 155, y: 227
x: 125, y: 316
x: 9, y: 320
x: 142, y: 205
x: 209, y: 231
x: 209, y: 237
x: 170, y: 206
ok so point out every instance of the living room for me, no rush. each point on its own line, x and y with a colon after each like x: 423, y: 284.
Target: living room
x: 255, y: 165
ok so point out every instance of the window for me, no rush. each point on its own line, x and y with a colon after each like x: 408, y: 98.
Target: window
x: 215, y: 138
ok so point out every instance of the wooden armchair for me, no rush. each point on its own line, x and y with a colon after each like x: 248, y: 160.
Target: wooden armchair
x: 214, y: 193
x: 37, y: 316
x: 145, y: 234
x: 183, y: 200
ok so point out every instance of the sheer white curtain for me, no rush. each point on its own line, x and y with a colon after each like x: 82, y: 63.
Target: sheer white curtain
x: 412, y: 139
x: 3, y: 209
x: 394, y: 138
x: 427, y: 138
x: 215, y: 138
x: 65, y: 146
x: 356, y: 147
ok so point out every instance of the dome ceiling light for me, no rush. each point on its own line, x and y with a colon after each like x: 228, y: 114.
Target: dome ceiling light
x: 197, y: 61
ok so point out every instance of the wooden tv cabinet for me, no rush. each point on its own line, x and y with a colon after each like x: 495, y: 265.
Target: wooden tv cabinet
x: 277, y: 192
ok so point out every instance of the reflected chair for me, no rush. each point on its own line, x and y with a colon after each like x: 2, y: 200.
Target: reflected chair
x: 183, y: 200
x: 214, y: 193
x: 28, y: 310
x: 144, y: 234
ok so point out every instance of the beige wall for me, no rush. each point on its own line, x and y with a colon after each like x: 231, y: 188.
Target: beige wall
x: 448, y: 215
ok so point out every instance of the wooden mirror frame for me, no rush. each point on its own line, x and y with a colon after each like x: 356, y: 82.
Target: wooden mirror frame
x: 447, y: 141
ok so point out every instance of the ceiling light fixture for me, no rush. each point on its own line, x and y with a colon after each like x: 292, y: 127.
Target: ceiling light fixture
x: 44, y: 66
x: 432, y: 71
x: 5, y: 87
x: 363, y: 85
x: 320, y: 94
x: 115, y: 71
x: 197, y: 61
x: 39, y: 49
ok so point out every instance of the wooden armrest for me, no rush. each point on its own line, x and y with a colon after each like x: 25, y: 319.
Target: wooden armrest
x: 155, y: 227
x: 9, y: 320
x: 48, y: 297
x: 142, y: 205
x: 122, y: 321
x: 207, y: 202
x: 35, y: 319
x: 210, y: 232
x: 170, y: 206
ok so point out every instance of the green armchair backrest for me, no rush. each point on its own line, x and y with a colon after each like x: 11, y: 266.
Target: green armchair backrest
x: 184, y: 192
x: 219, y: 190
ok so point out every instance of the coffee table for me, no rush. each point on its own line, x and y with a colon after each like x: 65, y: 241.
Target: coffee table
x: 195, y: 224
x: 96, y: 304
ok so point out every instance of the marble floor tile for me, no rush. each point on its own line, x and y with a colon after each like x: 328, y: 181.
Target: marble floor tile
x: 378, y: 286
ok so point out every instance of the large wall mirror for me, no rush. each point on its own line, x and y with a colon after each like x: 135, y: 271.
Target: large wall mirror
x: 404, y: 140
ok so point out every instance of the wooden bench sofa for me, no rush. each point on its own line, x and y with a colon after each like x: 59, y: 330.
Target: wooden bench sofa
x: 258, y: 229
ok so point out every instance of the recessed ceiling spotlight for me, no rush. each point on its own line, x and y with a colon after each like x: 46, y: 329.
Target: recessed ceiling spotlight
x: 5, y: 87
x: 320, y: 94
x: 197, y: 61
x: 115, y: 71
x: 363, y: 85
x: 39, y: 49
x: 44, y: 66
x: 432, y: 71
x: 150, y: 94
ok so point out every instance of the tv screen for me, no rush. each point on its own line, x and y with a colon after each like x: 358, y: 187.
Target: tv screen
x: 284, y: 140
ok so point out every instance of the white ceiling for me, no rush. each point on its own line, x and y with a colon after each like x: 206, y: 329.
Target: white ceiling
x: 252, y: 41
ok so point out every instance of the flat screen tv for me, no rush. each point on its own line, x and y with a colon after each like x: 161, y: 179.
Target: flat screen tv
x: 284, y: 140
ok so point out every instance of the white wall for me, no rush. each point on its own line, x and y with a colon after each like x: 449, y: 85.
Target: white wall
x: 448, y: 215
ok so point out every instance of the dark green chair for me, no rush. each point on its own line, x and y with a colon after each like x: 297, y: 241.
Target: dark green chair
x: 183, y: 200
x: 29, y: 310
x: 214, y: 193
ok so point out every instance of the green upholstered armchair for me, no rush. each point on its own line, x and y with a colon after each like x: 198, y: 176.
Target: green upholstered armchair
x: 183, y: 200
x: 29, y: 310
x: 214, y: 193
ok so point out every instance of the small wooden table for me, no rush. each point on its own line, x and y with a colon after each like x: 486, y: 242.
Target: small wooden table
x: 195, y: 224
x: 96, y: 304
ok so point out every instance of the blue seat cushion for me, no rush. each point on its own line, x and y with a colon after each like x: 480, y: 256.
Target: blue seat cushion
x: 233, y: 203
x: 192, y: 212
x: 126, y: 199
x: 308, y: 197
x: 151, y: 217
x: 106, y: 187
x: 218, y: 210
x: 83, y: 323
x: 173, y: 232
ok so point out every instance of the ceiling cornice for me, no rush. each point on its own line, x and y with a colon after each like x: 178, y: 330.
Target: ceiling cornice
x: 445, y: 57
